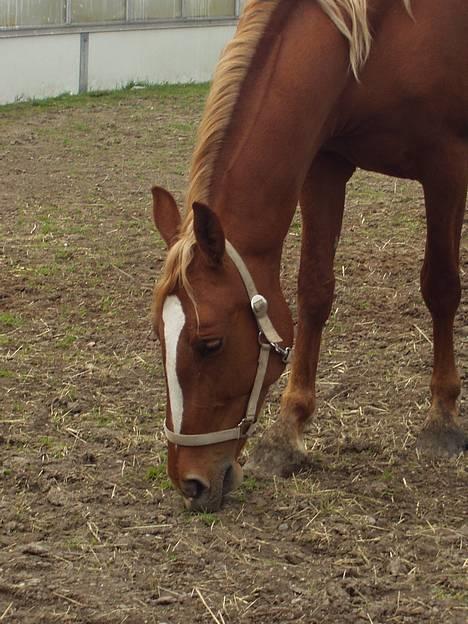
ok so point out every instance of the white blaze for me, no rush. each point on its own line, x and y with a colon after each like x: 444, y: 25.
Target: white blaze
x: 174, y: 321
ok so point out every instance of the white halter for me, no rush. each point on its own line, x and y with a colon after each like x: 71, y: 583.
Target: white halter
x: 268, y: 340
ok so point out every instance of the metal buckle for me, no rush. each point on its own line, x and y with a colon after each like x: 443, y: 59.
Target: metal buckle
x: 259, y: 305
x: 247, y: 427
x: 284, y: 352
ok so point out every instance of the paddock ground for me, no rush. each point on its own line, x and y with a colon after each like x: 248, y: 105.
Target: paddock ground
x: 90, y: 529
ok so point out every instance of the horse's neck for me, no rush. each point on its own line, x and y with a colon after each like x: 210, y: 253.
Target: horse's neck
x: 283, y: 115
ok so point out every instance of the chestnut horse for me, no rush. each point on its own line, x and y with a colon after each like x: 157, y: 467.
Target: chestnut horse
x: 306, y: 91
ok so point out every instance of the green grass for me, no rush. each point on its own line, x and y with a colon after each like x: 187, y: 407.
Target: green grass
x: 67, y: 341
x: 6, y: 374
x: 110, y: 97
x: 158, y: 476
x: 10, y: 320
x: 209, y: 519
x: 442, y: 593
x: 53, y: 447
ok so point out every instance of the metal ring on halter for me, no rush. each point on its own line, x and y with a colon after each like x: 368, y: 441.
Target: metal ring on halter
x: 284, y: 352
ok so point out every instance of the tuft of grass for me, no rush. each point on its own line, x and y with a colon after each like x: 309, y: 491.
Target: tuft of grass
x: 158, y: 476
x: 6, y: 374
x: 67, y: 341
x: 249, y: 484
x: 210, y: 519
x: 10, y: 320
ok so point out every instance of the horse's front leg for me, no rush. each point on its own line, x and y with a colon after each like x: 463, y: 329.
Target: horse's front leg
x: 281, y: 450
x: 445, y: 196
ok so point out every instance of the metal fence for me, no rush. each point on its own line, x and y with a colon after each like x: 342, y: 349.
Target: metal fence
x: 20, y: 14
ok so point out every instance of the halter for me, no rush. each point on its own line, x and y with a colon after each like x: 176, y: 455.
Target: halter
x: 268, y: 340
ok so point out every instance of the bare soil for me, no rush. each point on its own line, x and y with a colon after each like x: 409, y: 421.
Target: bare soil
x: 90, y: 529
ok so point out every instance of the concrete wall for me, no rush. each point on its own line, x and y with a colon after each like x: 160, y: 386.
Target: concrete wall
x: 171, y: 55
x: 39, y: 65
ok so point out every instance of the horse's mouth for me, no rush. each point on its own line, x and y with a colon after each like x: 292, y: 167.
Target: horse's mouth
x: 212, y: 500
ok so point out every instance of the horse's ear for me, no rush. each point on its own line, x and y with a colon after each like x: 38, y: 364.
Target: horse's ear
x: 166, y: 215
x: 208, y: 233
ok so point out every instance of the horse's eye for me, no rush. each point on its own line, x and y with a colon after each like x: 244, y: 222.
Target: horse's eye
x: 209, y: 346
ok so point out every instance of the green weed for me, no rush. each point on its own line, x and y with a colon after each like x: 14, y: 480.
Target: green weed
x: 67, y: 341
x: 6, y: 374
x: 209, y: 519
x: 158, y: 476
x: 10, y: 320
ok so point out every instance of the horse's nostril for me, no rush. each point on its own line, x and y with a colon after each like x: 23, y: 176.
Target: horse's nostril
x: 192, y: 488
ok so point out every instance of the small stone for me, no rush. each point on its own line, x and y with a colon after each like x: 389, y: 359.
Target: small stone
x: 89, y: 458
x: 283, y: 527
x: 56, y: 497
x: 165, y: 600
x: 394, y: 566
x: 11, y: 526
x: 74, y: 407
x: 36, y: 548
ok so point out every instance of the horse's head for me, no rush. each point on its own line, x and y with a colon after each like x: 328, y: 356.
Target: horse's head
x: 209, y: 336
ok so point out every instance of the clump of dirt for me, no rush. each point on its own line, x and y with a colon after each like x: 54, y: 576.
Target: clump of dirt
x: 90, y: 530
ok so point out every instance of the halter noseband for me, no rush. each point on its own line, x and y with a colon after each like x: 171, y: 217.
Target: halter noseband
x: 268, y: 340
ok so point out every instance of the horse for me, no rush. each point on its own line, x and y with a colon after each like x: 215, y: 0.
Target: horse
x: 304, y: 93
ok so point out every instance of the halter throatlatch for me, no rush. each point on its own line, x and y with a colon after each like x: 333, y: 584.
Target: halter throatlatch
x: 268, y: 339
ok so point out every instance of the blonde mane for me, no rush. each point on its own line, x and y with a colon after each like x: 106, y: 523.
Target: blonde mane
x: 349, y: 17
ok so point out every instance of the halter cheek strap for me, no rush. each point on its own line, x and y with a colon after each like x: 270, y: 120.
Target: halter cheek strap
x: 268, y: 339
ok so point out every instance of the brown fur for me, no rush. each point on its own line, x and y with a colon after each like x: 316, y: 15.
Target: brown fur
x: 350, y: 18
x: 294, y: 125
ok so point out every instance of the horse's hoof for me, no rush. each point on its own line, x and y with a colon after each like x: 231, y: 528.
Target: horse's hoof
x: 269, y: 458
x: 442, y: 441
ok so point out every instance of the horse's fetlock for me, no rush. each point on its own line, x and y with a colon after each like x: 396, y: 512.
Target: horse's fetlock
x: 297, y: 407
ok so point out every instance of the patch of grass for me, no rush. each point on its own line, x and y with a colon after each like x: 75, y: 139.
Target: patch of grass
x: 8, y: 319
x: 45, y: 441
x: 158, y: 476
x: 81, y: 127
x: 447, y: 593
x: 45, y: 270
x: 63, y: 254
x: 387, y: 475
x: 67, y: 341
x: 52, y: 447
x: 6, y: 374
x: 249, y: 484
x: 106, y: 303
x: 141, y: 90
x: 99, y: 418
x: 210, y: 519
x: 48, y: 226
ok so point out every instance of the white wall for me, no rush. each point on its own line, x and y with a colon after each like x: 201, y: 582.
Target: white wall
x: 39, y: 66
x: 167, y: 55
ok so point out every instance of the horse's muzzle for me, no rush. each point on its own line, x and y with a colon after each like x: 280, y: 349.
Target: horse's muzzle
x: 207, y: 496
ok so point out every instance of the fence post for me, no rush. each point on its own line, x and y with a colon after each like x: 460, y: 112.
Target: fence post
x: 84, y: 53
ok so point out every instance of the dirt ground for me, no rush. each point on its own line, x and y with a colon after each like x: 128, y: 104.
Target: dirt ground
x: 90, y: 529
